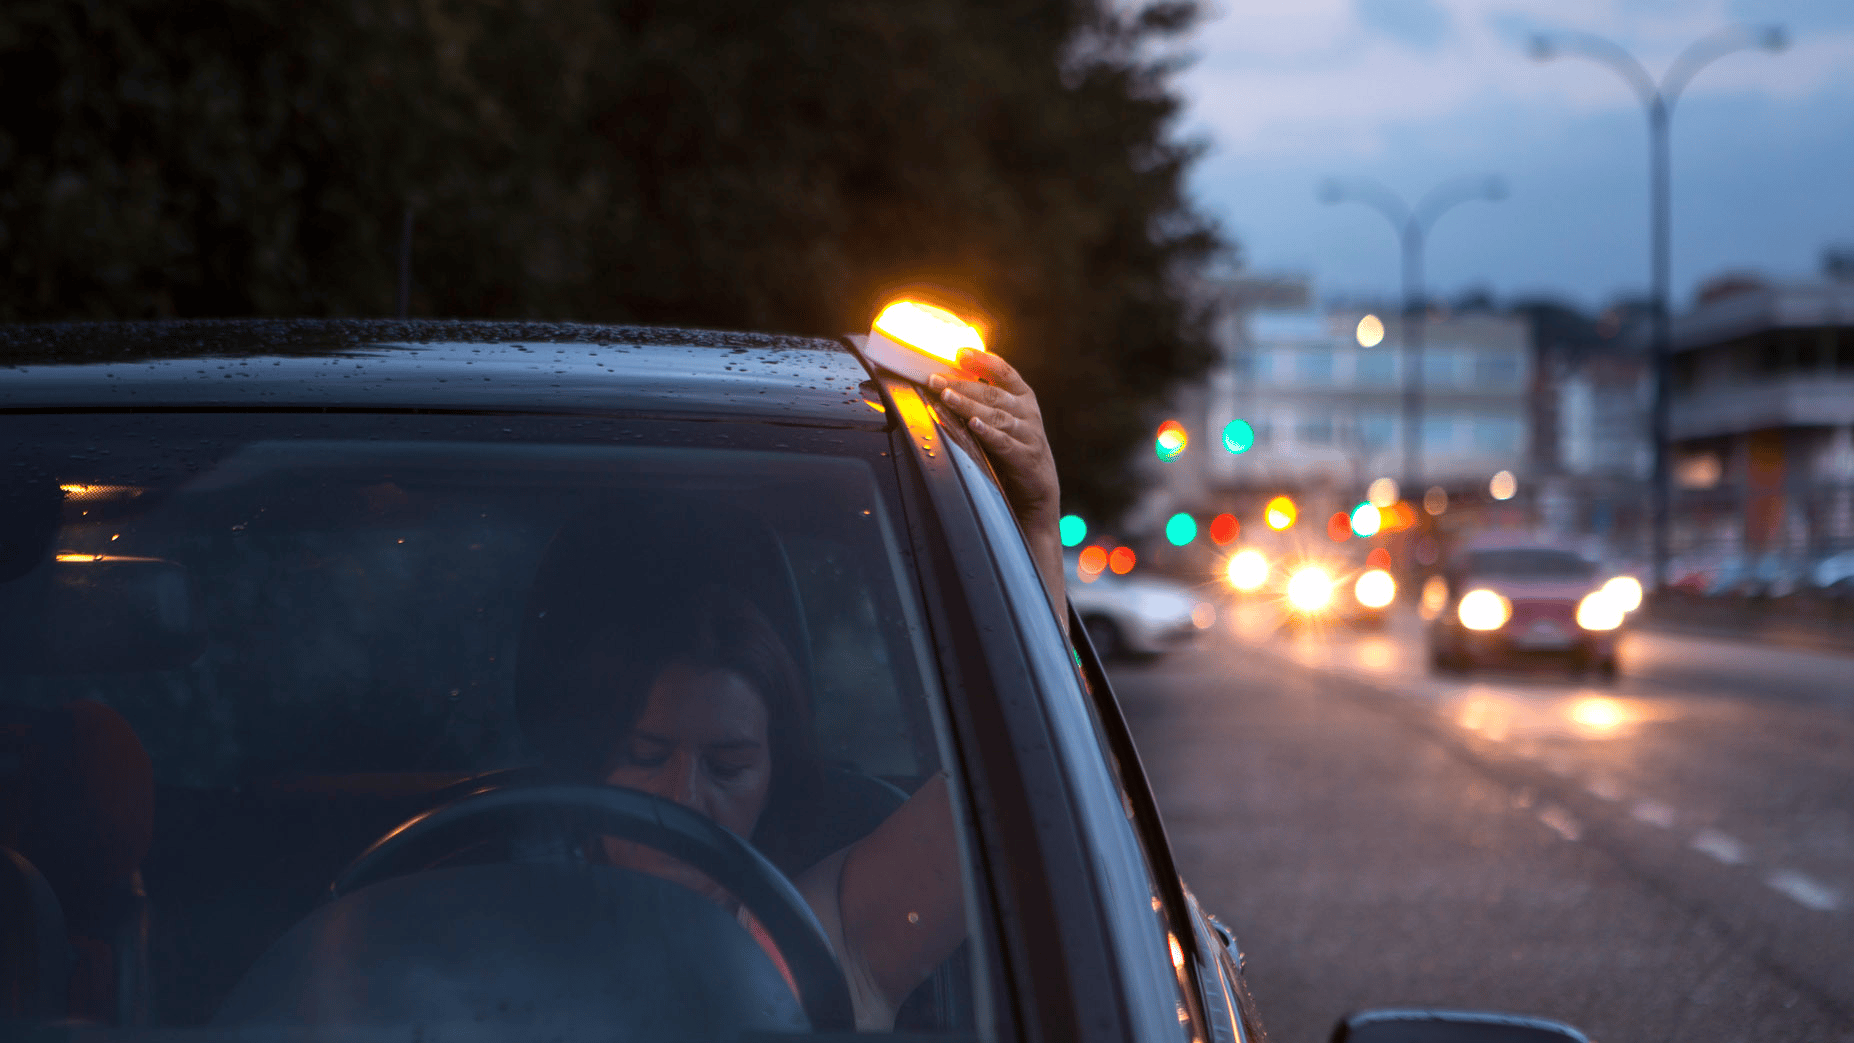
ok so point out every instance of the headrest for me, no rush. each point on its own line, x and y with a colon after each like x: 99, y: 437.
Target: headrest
x: 76, y: 798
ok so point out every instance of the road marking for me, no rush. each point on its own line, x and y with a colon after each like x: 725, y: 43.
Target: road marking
x: 1719, y: 846
x: 1805, y: 891
x: 1653, y: 812
x: 1560, y: 822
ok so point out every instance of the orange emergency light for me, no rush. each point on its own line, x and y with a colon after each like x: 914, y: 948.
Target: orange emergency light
x: 916, y: 340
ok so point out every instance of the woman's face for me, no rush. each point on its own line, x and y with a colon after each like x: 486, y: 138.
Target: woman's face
x: 701, y: 742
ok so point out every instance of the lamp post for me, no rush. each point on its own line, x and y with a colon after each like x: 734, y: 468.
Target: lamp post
x: 1659, y: 101
x: 1412, y: 226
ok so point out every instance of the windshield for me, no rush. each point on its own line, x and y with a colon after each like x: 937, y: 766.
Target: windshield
x: 242, y: 651
x: 1529, y: 563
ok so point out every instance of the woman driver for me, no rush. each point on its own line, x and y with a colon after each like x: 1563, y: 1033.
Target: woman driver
x: 715, y: 722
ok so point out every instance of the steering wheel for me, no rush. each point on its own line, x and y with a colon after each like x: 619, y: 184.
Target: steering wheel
x: 627, y: 814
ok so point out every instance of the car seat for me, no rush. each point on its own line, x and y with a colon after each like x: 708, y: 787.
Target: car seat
x: 76, y: 820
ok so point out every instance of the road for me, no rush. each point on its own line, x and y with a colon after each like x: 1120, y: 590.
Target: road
x: 1667, y: 857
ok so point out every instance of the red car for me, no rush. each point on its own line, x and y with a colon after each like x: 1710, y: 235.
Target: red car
x: 1509, y: 601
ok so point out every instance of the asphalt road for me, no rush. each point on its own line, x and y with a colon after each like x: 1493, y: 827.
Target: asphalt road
x: 1668, y: 857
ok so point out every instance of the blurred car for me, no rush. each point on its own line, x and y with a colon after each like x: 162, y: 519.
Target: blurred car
x: 1134, y: 614
x: 1316, y: 582
x: 1833, y: 576
x: 1509, y: 599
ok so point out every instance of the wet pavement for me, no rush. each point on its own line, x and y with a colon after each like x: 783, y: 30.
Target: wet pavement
x: 1666, y: 857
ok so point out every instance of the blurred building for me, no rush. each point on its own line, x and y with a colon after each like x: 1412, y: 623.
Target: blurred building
x: 1761, y: 417
x: 1321, y: 390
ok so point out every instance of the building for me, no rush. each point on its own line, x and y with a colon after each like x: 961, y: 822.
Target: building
x: 1324, y: 391
x: 1321, y: 391
x: 1761, y: 418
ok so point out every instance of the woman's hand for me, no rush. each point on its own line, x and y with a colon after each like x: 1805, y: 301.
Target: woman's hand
x: 1001, y: 411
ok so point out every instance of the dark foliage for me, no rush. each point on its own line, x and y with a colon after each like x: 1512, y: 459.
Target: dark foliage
x: 761, y: 164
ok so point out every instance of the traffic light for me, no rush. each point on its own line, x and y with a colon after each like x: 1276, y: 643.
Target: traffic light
x: 1366, y: 520
x: 1280, y: 513
x: 1238, y: 436
x: 1180, y: 529
x: 1171, y: 441
x: 1074, y: 530
x: 1224, y: 529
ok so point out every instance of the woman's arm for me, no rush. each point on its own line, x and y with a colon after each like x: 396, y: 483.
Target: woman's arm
x: 1003, y: 415
x: 901, y: 896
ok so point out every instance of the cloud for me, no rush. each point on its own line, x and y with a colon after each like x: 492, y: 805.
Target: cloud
x: 1334, y: 76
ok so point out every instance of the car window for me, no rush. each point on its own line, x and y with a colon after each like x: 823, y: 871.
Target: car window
x: 1150, y: 958
x: 253, y: 647
x: 1529, y: 563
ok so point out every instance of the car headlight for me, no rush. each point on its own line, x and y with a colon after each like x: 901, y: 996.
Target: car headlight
x: 1310, y: 589
x: 1484, y: 610
x: 1247, y: 570
x: 1375, y: 589
x: 1599, y: 610
x: 1627, y: 592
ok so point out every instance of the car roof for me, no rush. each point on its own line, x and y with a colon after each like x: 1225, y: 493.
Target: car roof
x: 432, y: 365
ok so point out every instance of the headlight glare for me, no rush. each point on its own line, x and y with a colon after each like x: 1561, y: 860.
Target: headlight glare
x: 1247, y: 570
x: 1599, y: 610
x: 1375, y: 589
x: 1310, y: 589
x: 1484, y: 610
x: 1626, y: 591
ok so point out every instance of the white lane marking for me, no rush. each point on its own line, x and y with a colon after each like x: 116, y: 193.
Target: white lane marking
x: 1806, y: 892
x: 1653, y: 812
x: 1719, y: 846
x: 1604, y: 789
x: 1560, y: 822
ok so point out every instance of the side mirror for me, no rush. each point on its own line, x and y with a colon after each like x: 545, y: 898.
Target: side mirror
x: 86, y: 613
x: 1450, y: 1026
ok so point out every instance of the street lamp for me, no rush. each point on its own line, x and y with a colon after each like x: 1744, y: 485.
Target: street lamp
x: 1412, y: 226
x: 1659, y: 100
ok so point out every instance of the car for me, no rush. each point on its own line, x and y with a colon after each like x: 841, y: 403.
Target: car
x: 371, y: 680
x: 1504, y: 599
x: 1135, y: 614
x: 1315, y: 582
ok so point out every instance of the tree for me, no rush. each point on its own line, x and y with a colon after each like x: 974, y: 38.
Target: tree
x: 765, y: 164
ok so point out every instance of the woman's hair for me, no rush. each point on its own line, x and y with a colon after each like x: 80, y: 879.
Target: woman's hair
x: 715, y: 628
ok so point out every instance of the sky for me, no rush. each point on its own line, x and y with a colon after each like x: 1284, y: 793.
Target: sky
x: 1284, y: 94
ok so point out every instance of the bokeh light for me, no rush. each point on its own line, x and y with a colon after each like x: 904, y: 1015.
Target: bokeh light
x: 1204, y: 615
x: 1435, y: 501
x: 1092, y: 563
x: 1435, y: 597
x: 1379, y: 558
x: 1370, y: 331
x: 1074, y: 530
x: 1375, y: 589
x: 1247, y: 570
x: 1502, y: 485
x: 1180, y: 529
x: 1171, y: 440
x: 1383, y: 492
x: 1224, y: 529
x: 1626, y: 591
x: 1238, y: 436
x: 1122, y: 560
x: 1310, y: 589
x: 1280, y: 513
x: 1339, y: 527
x: 1366, y: 520
x: 1599, y: 611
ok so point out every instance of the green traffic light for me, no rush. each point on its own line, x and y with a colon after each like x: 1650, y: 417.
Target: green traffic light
x: 1074, y: 530
x: 1238, y: 436
x: 1181, y: 529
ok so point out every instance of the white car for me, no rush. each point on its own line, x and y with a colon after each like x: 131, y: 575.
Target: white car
x: 1136, y: 615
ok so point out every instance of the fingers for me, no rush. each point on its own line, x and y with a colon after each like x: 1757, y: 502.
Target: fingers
x: 985, y: 366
